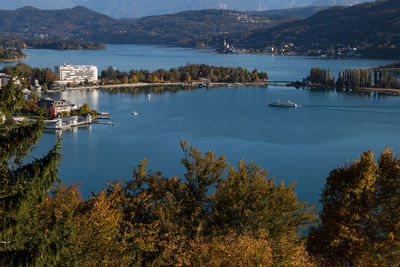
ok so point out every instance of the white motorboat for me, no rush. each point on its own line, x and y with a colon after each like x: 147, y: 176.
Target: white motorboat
x: 286, y: 104
x: 134, y: 113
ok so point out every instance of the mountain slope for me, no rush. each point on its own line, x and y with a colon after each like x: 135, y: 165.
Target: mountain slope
x: 368, y: 26
x: 65, y: 23
x: 141, y: 8
x: 296, y: 12
x: 338, y: 2
x: 85, y: 24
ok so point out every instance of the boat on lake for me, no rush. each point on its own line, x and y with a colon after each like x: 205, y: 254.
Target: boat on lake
x: 286, y: 104
x: 134, y: 113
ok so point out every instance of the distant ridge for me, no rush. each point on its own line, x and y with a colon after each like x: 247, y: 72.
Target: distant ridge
x: 65, y: 23
x: 85, y: 24
x: 141, y: 8
x: 338, y: 2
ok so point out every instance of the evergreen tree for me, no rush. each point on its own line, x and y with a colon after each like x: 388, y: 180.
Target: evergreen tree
x: 22, y: 186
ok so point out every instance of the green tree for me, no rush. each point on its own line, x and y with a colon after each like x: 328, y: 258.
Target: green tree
x: 246, y: 201
x: 84, y: 109
x: 11, y: 100
x: 22, y: 186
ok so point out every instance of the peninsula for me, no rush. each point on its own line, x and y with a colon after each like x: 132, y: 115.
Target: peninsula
x: 380, y: 79
x: 11, y: 54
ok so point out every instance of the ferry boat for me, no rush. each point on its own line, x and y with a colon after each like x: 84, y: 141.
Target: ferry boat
x: 286, y: 104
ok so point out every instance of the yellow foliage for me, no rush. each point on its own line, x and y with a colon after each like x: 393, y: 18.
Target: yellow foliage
x: 247, y: 249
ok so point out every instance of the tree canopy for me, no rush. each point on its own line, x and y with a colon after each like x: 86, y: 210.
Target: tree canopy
x: 360, y: 216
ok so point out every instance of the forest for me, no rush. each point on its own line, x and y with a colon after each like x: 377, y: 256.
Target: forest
x: 60, y: 44
x: 187, y: 73
x: 216, y: 214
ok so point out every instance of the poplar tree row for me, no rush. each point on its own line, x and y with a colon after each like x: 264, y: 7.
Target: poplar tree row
x: 353, y: 78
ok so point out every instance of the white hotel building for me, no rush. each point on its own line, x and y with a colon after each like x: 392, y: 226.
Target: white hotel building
x: 76, y: 73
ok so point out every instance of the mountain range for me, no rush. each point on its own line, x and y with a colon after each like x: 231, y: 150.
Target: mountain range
x: 370, y: 27
x: 141, y: 8
x: 81, y: 23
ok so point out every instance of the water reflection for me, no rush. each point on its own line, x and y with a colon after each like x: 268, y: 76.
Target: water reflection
x: 84, y: 96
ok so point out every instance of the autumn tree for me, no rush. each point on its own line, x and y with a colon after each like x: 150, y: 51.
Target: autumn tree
x: 98, y: 238
x: 243, y: 202
x: 360, y: 214
x: 84, y: 109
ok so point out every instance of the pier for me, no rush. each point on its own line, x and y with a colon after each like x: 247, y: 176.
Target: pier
x: 280, y: 83
x: 65, y: 123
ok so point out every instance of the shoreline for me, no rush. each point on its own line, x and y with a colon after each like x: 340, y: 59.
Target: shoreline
x: 364, y: 89
x: 194, y: 84
x: 16, y: 59
x: 381, y: 90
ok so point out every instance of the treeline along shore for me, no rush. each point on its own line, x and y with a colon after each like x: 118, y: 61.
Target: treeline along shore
x: 188, y: 75
x: 59, y: 44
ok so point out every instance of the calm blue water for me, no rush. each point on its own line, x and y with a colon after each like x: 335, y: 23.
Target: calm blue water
x: 301, y: 144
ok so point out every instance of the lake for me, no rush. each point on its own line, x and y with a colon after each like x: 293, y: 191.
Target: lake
x: 301, y: 144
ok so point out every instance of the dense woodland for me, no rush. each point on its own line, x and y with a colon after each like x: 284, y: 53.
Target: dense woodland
x: 62, y: 44
x: 50, y: 44
x: 215, y: 215
x: 354, y: 79
x: 187, y: 73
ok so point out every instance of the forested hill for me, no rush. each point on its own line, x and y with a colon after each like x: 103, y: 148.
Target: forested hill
x: 371, y: 27
x: 85, y: 24
x: 296, y: 12
x: 187, y: 25
x: 65, y: 23
x: 141, y: 8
